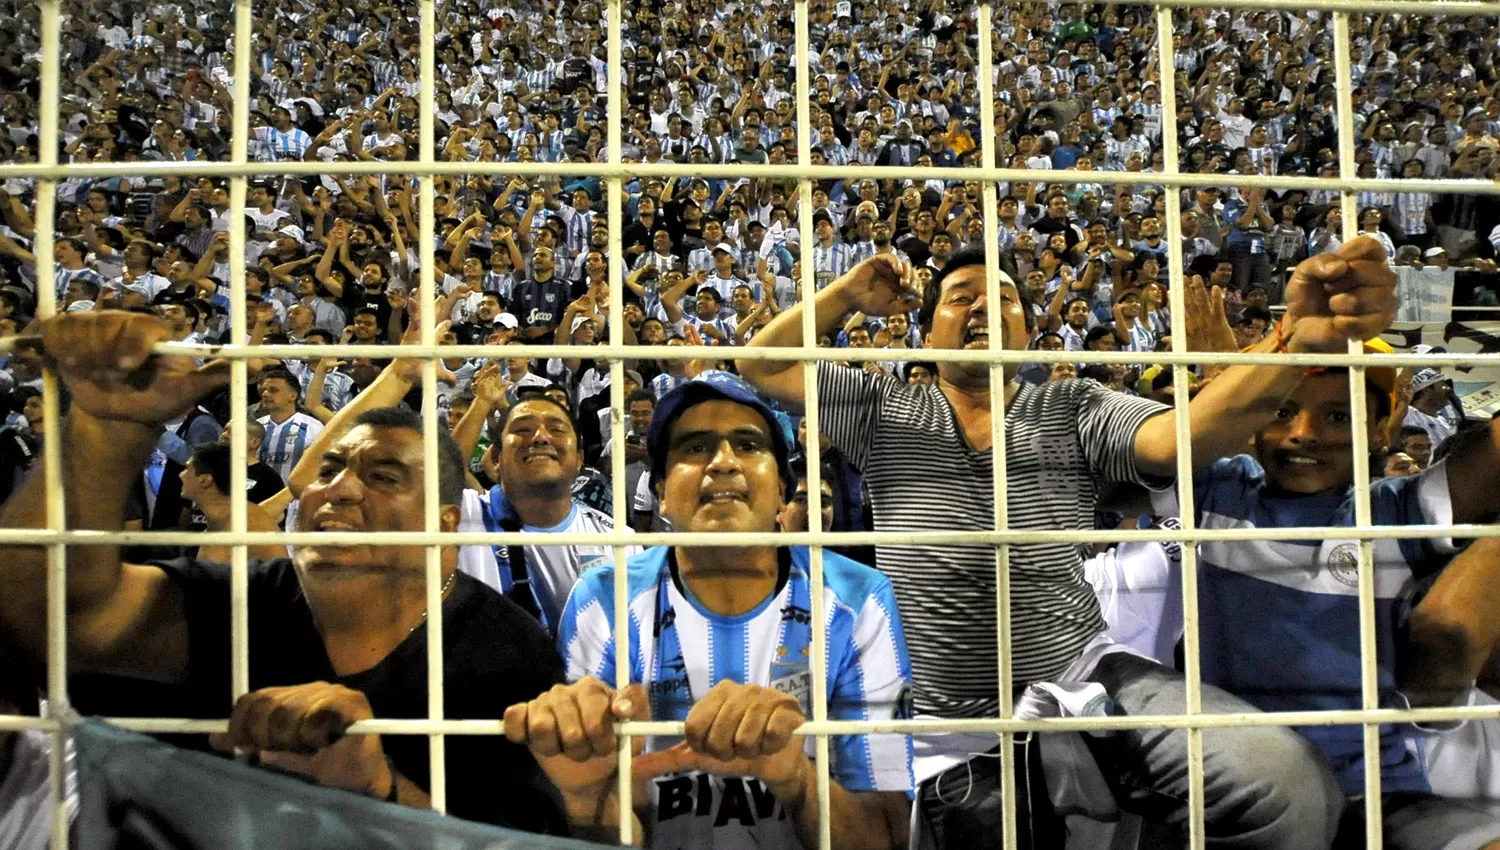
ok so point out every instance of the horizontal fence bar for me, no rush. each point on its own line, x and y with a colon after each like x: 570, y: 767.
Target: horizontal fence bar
x: 684, y: 352
x: 42, y: 537
x: 735, y: 170
x: 1449, y: 714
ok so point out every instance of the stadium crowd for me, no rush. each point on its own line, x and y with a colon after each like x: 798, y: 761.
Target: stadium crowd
x: 716, y: 262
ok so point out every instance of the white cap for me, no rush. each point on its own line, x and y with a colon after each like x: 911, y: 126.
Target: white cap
x: 291, y: 230
x: 578, y: 322
x: 507, y: 320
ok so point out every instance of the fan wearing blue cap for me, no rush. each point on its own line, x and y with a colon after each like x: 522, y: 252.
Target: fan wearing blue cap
x: 720, y: 637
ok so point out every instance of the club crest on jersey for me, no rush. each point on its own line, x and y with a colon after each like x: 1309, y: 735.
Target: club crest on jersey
x: 1343, y: 564
x: 795, y: 679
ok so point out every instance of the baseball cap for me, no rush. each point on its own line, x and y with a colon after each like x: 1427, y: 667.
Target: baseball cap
x: 714, y: 385
x: 507, y: 320
x: 1433, y: 251
x: 725, y: 247
x: 1425, y: 378
x: 578, y: 322
x: 291, y: 230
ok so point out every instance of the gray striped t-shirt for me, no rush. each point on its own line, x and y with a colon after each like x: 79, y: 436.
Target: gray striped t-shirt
x: 1063, y: 440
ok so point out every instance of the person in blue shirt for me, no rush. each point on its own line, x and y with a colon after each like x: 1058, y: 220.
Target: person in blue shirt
x: 720, y: 639
x: 1280, y: 618
x: 1248, y: 222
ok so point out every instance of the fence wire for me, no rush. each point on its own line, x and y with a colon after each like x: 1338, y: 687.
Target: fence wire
x: 48, y: 172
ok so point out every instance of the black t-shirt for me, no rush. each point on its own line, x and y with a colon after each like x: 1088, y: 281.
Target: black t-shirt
x: 494, y: 656
x: 261, y: 483
x: 356, y: 298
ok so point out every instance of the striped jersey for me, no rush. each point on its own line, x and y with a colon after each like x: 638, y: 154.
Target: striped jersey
x: 1064, y: 440
x: 680, y: 650
x: 1280, y: 618
x: 551, y: 571
x: 286, y: 441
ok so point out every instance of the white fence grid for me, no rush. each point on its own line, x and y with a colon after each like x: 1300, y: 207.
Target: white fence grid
x: 56, y: 537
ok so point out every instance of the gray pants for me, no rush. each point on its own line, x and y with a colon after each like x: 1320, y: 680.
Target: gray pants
x: 1265, y: 788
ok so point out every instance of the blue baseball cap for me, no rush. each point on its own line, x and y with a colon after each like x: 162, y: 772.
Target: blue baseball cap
x: 715, y: 385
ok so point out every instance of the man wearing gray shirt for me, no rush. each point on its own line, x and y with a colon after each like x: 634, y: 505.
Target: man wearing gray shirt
x: 926, y: 454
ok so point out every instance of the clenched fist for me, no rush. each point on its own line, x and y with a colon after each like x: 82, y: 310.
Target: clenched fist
x: 300, y: 729
x: 1333, y: 298
x: 105, y: 358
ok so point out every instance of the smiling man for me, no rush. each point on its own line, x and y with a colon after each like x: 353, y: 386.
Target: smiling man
x: 337, y: 633
x: 1065, y: 441
x: 719, y: 638
x: 535, y: 456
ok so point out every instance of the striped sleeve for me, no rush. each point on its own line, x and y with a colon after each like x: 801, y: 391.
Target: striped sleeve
x: 849, y: 402
x: 585, y: 636
x: 873, y: 683
x: 1107, y: 425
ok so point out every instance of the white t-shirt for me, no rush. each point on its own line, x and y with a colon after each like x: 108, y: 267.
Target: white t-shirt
x: 25, y: 795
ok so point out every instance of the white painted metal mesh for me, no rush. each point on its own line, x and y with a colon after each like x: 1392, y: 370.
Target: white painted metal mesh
x: 48, y: 172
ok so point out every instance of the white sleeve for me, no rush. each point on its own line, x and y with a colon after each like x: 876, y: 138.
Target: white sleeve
x: 645, y: 500
x: 477, y: 561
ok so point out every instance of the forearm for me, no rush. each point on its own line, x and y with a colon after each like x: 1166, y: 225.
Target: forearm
x: 858, y: 821
x: 1455, y: 628
x: 785, y: 331
x: 386, y: 391
x: 102, y: 462
x: 1225, y: 415
x: 466, y: 434
x: 599, y: 820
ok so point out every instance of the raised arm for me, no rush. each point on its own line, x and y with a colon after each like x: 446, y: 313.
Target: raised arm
x: 879, y: 286
x: 1331, y: 298
x: 122, y: 618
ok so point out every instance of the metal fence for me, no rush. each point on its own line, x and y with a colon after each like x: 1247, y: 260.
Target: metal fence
x: 48, y: 172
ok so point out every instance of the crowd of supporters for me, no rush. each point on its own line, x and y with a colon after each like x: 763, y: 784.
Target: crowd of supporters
x: 717, y: 262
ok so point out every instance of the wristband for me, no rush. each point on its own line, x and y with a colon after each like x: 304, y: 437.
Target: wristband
x: 1280, y: 341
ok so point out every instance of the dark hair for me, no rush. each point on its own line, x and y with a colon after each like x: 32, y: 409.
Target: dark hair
x: 451, y: 466
x: 1097, y: 333
x: 1410, y: 431
x: 963, y: 259
x: 1251, y: 313
x: 282, y: 375
x: 212, y: 459
x: 497, y: 430
x: 1097, y: 372
x: 325, y: 334
x: 641, y: 395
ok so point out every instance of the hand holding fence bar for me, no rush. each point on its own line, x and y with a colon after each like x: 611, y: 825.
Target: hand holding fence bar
x: 1333, y: 298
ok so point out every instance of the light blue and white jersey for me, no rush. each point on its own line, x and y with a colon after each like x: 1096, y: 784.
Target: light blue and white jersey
x: 551, y: 571
x: 1280, y: 618
x: 680, y: 650
x: 665, y: 383
x: 286, y: 441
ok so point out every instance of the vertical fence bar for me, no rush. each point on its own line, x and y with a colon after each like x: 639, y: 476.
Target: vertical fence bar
x: 1192, y: 671
x: 999, y: 390
x: 52, y: 459
x: 819, y: 650
x: 239, y: 570
x: 614, y: 187
x: 1359, y: 425
x: 437, y: 755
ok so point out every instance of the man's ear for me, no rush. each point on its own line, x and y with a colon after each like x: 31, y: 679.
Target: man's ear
x: 448, y: 517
